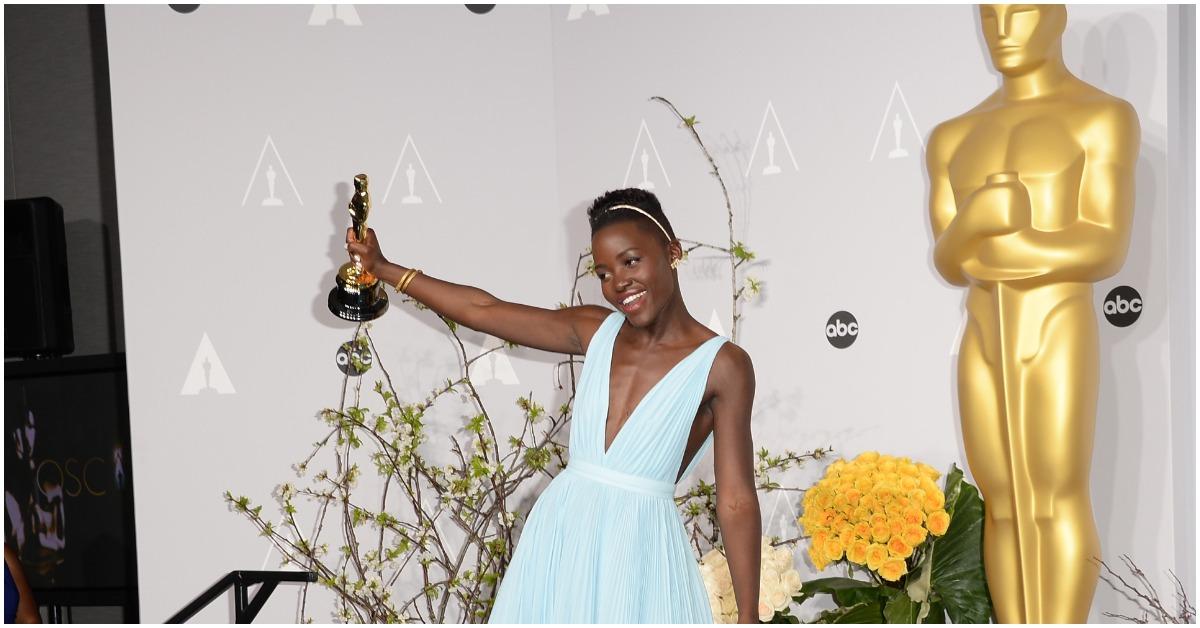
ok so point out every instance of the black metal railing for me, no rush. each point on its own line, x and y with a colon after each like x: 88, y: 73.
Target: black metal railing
x: 245, y: 609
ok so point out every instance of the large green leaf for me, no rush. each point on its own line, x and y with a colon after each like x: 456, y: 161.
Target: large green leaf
x: 847, y: 589
x: 900, y: 609
x: 863, y: 613
x: 958, y: 576
x: 937, y: 613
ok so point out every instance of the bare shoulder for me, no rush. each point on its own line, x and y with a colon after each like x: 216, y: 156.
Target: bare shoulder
x: 732, y: 370
x: 586, y: 319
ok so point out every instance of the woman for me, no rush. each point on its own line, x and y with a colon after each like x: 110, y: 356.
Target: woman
x: 19, y: 605
x: 604, y: 542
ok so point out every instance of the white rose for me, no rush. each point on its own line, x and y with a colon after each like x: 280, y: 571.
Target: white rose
x: 725, y: 584
x: 728, y: 605
x: 715, y: 558
x: 768, y: 577
x: 765, y: 612
x: 778, y: 597
x: 781, y: 557
x: 791, y: 581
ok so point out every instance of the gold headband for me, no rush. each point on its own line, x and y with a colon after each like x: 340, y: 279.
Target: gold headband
x: 644, y: 213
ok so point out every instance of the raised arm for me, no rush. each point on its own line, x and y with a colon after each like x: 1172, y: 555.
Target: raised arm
x: 562, y: 331
x: 737, y: 499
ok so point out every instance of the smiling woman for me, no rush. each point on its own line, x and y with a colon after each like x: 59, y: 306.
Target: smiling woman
x: 657, y: 389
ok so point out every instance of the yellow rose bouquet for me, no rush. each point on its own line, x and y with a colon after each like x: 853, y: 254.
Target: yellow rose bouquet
x: 919, y: 543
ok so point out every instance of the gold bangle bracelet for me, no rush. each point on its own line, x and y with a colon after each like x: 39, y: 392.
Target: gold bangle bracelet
x: 407, y: 280
x: 400, y: 285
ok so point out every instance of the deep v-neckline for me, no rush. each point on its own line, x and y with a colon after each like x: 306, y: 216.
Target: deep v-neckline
x: 608, y: 391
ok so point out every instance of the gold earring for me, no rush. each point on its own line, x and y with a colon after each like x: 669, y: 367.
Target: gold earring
x: 675, y: 262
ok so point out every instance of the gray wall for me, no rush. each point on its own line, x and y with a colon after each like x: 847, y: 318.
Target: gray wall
x: 519, y: 118
x: 58, y: 143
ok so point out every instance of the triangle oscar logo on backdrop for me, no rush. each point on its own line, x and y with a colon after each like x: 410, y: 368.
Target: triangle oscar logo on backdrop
x: 782, y: 520
x: 642, y: 149
x: 896, y: 143
x: 714, y: 323
x: 206, y: 375
x: 494, y: 366
x: 772, y: 142
x: 577, y: 11
x: 344, y: 14
x: 268, y: 190
x: 414, y: 190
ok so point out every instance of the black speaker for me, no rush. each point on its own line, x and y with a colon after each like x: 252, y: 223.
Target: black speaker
x: 37, y: 297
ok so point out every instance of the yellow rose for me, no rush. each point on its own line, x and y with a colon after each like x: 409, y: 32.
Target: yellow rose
x: 819, y: 539
x: 892, y: 570
x: 876, y: 555
x: 917, y: 496
x: 867, y: 456
x: 898, y: 548
x: 914, y: 535
x: 908, y: 469
x: 879, y: 520
x: 909, y: 483
x: 857, y: 552
x: 928, y: 471
x: 880, y: 534
x: 818, y: 558
x: 853, y: 495
x: 862, y: 529
x: 863, y: 484
x: 889, y: 465
x: 934, y: 501
x: 834, y: 549
x: 913, y: 516
x: 938, y: 523
x: 846, y: 535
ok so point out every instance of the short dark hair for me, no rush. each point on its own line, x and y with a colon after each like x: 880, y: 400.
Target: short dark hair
x: 599, y: 215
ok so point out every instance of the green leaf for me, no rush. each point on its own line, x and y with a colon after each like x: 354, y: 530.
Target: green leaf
x: 900, y: 609
x: 864, y: 613
x: 833, y: 586
x: 937, y: 613
x: 783, y: 617
x: 958, y: 576
x: 741, y: 252
x: 691, y: 121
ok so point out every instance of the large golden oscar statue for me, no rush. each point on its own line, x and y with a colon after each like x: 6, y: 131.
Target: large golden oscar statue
x: 1031, y: 200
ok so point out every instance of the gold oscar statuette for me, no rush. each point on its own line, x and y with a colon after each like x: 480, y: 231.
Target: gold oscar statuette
x: 359, y: 295
x: 1031, y: 202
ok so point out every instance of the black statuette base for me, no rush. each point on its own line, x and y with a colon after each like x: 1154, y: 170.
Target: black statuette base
x: 365, y: 304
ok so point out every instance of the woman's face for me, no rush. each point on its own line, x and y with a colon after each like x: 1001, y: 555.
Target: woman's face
x: 634, y: 268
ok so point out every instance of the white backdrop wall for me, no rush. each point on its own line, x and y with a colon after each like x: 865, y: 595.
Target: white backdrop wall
x: 237, y: 130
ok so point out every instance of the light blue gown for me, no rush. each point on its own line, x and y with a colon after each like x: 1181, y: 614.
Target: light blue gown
x: 604, y: 543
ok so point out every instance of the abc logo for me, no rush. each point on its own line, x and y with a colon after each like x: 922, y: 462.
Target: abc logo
x: 1123, y: 306
x: 842, y: 329
x: 348, y: 354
